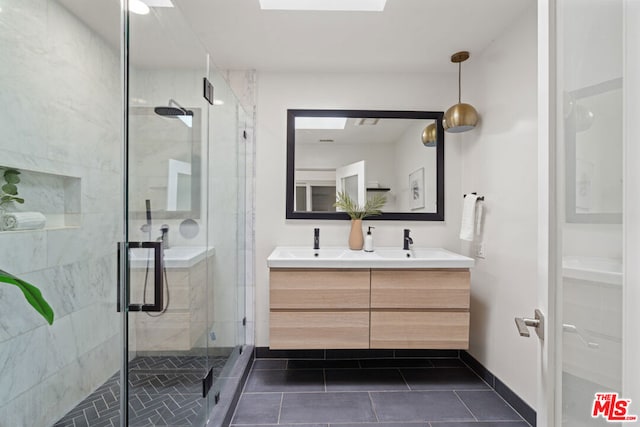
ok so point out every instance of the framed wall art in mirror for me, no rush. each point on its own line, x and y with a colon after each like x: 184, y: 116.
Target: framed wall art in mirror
x: 362, y: 153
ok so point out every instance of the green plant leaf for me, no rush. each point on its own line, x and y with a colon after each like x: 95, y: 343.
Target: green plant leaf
x: 12, y: 177
x: 372, y: 207
x: 32, y: 294
x: 10, y: 189
x: 7, y: 198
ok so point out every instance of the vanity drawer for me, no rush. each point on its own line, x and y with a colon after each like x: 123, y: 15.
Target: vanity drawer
x: 419, y: 329
x: 318, y: 329
x: 420, y: 289
x: 319, y: 289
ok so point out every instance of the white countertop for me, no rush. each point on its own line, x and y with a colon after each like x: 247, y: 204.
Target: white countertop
x: 594, y: 269
x: 382, y: 257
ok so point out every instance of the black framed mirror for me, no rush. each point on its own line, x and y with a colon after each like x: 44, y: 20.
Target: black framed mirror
x: 593, y: 138
x: 366, y: 152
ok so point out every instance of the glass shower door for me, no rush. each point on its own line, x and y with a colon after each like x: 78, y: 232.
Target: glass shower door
x: 170, y: 255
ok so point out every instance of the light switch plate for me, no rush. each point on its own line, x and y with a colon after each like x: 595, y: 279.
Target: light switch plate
x: 480, y: 250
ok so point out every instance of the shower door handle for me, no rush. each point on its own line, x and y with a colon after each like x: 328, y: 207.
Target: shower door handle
x: 158, y: 268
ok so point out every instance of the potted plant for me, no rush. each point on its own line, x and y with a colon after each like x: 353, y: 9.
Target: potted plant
x: 357, y: 213
x: 9, y: 190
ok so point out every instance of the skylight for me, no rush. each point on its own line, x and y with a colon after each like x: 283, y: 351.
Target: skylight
x: 325, y: 5
x: 321, y: 122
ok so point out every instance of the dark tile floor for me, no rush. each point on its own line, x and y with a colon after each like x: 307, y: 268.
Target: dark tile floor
x: 163, y: 391
x: 370, y: 393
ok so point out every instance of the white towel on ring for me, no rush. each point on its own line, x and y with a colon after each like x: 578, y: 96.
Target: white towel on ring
x: 479, y: 212
x: 23, y: 221
x: 467, y: 228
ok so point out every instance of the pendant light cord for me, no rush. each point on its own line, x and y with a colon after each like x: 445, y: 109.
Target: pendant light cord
x: 459, y: 80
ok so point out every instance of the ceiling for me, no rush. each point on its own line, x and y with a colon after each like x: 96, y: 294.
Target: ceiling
x: 408, y: 36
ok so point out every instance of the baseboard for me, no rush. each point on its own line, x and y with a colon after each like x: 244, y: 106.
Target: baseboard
x: 267, y: 353
x: 526, y: 411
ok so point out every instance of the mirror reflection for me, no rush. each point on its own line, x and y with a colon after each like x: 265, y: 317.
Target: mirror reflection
x: 166, y: 161
x: 593, y: 123
x: 364, y: 153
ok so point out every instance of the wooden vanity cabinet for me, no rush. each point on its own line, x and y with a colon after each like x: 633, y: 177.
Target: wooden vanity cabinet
x: 420, y: 309
x: 318, y: 309
x: 369, y: 308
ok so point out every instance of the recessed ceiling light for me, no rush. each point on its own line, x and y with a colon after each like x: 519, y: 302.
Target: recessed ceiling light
x: 366, y: 122
x: 327, y: 5
x: 138, y: 7
x: 320, y: 122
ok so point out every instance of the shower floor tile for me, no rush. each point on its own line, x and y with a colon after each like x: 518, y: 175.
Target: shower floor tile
x: 163, y: 391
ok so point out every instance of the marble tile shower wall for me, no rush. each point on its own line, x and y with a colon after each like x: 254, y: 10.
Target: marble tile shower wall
x: 61, y: 91
x: 243, y: 84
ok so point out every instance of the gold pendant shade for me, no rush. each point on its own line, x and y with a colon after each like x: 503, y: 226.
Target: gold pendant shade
x: 460, y: 117
x: 430, y: 135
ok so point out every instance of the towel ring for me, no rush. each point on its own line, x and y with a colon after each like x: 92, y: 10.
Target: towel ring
x: 479, y: 198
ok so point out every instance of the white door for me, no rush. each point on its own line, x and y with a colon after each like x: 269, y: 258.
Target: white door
x: 351, y: 180
x: 589, y: 212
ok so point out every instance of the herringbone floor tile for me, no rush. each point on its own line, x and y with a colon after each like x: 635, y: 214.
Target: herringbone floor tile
x: 163, y: 391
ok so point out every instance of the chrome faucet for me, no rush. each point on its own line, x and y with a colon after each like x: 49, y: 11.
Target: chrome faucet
x: 407, y: 240
x: 316, y: 238
x: 164, y: 237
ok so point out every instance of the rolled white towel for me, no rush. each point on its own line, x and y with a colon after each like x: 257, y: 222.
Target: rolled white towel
x: 23, y: 221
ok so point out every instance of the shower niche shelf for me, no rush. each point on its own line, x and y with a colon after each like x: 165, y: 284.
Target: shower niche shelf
x: 56, y: 196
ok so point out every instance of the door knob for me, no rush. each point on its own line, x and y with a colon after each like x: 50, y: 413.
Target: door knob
x: 523, y: 323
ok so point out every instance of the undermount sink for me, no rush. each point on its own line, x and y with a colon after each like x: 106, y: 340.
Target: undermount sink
x: 174, y: 257
x: 383, y: 257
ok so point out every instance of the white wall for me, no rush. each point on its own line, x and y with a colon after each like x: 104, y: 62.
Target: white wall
x: 499, y: 163
x: 278, y: 92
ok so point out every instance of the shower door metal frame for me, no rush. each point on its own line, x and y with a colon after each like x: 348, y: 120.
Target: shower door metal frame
x: 124, y: 252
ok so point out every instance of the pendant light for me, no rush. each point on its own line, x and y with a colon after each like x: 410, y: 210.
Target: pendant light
x: 430, y: 135
x: 461, y: 117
